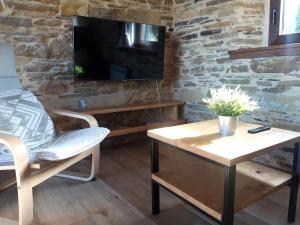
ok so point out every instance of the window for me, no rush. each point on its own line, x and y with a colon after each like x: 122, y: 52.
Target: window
x: 284, y: 22
x: 141, y: 34
x: 149, y: 33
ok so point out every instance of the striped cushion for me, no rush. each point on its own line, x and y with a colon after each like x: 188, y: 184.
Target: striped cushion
x: 65, y: 145
x: 23, y: 116
x: 71, y: 143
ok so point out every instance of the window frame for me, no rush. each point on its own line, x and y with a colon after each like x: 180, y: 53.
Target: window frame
x: 274, y: 26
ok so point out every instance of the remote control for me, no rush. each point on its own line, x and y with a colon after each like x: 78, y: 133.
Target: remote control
x: 259, y: 129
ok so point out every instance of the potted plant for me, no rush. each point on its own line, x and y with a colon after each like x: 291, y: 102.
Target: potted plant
x: 229, y: 104
x: 78, y: 70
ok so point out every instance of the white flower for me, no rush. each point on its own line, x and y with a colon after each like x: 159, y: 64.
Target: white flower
x: 230, y: 102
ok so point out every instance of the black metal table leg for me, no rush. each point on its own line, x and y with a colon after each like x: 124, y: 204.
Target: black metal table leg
x: 229, y: 193
x: 294, y: 186
x: 154, y: 169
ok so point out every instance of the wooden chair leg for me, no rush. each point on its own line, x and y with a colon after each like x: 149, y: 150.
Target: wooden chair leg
x: 23, y: 173
x: 25, y: 200
x: 95, y: 161
x: 94, y: 169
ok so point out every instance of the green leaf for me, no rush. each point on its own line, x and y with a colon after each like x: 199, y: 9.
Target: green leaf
x: 79, y: 70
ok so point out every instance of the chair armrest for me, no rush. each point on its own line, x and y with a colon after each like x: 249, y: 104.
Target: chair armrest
x: 18, y: 150
x: 86, y: 117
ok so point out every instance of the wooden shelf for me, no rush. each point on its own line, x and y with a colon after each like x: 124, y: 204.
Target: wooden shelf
x: 137, y: 129
x: 171, y: 111
x: 132, y: 107
x: 201, y: 183
x: 269, y: 51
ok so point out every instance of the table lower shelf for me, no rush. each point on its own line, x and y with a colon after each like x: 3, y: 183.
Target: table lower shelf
x: 201, y: 183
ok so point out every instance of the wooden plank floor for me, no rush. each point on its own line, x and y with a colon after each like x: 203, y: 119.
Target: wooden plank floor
x: 121, y: 196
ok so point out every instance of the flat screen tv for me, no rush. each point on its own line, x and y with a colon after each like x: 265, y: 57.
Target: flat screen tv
x: 115, y: 50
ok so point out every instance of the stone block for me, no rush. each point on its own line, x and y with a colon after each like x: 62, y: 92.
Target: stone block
x: 15, y: 22
x: 235, y: 81
x: 239, y: 68
x: 38, y: 66
x: 181, y: 23
x: 34, y: 50
x: 71, y: 7
x: 210, y: 32
x: 216, y: 2
x: 274, y: 65
x: 34, y: 8
x: 61, y: 47
x: 189, y: 84
x: 189, y: 37
x: 47, y: 22
x: 199, y: 19
x: 143, y: 16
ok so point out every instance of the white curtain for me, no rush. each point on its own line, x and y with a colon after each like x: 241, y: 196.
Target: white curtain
x: 130, y: 33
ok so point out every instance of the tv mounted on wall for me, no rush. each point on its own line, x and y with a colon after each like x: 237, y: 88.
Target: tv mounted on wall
x: 115, y: 50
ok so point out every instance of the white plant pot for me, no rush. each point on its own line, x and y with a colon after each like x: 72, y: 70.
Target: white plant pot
x: 228, y: 125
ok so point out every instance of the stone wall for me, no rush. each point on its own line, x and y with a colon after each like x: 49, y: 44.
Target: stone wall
x: 204, y: 32
x: 41, y: 32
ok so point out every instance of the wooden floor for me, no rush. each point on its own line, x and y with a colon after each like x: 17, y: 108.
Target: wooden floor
x: 121, y: 196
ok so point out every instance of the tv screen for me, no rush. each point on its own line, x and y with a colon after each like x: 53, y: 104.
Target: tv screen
x: 116, y: 50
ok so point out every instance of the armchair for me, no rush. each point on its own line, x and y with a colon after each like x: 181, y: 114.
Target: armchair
x: 29, y: 144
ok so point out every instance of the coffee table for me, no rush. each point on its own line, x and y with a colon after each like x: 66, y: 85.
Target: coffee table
x: 218, y: 177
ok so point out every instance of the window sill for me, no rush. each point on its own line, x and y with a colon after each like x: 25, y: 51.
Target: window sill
x: 269, y: 51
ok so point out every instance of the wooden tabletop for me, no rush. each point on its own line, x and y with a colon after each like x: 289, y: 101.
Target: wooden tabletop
x: 203, y: 139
